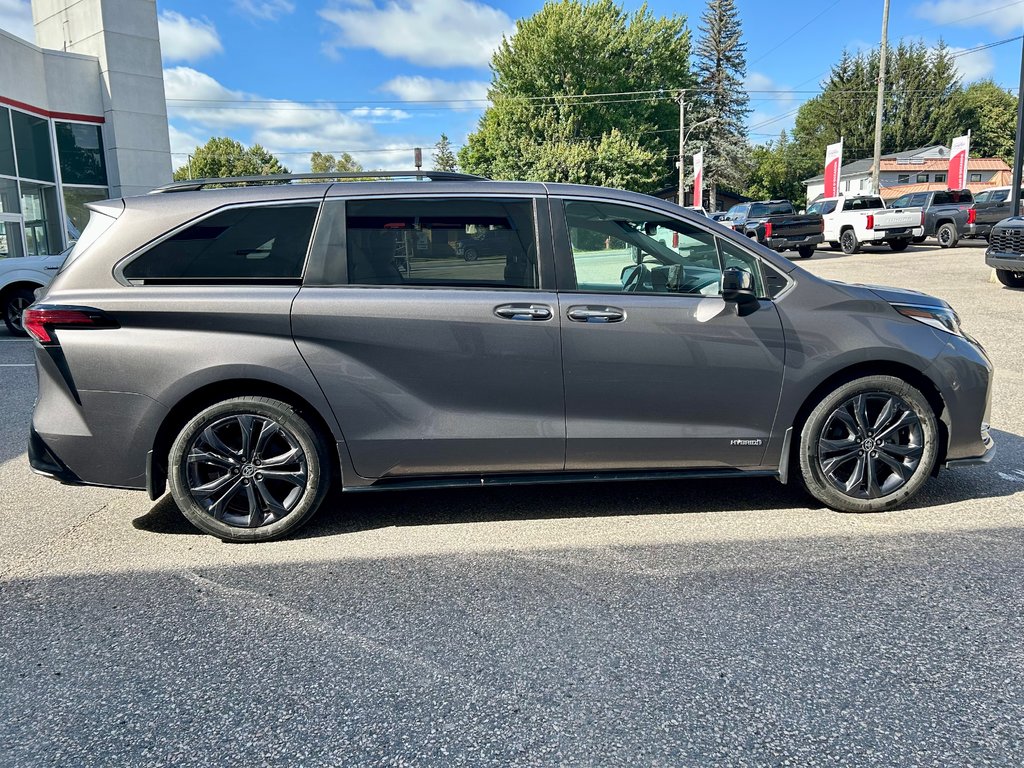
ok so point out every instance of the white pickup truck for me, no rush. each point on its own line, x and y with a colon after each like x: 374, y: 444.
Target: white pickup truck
x: 20, y: 276
x: 851, y: 222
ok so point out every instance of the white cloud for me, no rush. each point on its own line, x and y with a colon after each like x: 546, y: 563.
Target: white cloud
x: 769, y: 100
x: 287, y: 128
x: 974, y: 66
x: 993, y: 14
x: 431, y: 33
x: 464, y: 94
x: 186, y: 39
x: 16, y: 18
x: 265, y: 10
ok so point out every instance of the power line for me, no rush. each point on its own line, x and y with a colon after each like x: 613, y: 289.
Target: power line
x: 798, y: 31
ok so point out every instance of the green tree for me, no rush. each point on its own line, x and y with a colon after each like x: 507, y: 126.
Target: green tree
x: 991, y: 114
x: 773, y: 172
x: 444, y: 158
x: 222, y: 157
x: 721, y: 69
x: 548, y: 117
x: 323, y: 163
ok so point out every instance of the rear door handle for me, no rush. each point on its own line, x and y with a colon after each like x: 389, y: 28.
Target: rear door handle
x: 523, y: 311
x: 591, y: 314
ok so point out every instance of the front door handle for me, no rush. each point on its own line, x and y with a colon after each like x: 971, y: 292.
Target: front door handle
x: 523, y: 311
x: 591, y: 314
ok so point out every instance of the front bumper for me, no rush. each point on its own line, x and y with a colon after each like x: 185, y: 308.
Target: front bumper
x: 973, y: 461
x: 1014, y: 262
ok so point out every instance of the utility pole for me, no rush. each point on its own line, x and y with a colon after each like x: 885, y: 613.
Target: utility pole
x: 1018, y: 146
x: 682, y: 143
x: 881, y: 97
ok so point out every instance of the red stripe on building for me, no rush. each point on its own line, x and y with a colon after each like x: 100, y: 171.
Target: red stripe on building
x: 48, y: 113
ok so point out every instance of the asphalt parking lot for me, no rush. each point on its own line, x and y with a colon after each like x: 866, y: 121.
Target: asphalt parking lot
x: 703, y: 623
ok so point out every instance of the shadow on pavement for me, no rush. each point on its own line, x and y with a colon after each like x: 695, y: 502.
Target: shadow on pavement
x: 352, y: 512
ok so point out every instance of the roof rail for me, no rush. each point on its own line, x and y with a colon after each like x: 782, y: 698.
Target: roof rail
x: 283, y: 178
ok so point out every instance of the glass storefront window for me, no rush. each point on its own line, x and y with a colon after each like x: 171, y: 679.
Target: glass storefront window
x: 6, y: 146
x: 80, y: 148
x: 32, y: 146
x: 41, y: 218
x: 74, y: 205
x: 10, y: 239
x: 9, y: 196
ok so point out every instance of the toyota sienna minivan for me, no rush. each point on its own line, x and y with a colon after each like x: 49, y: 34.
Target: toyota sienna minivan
x: 250, y: 344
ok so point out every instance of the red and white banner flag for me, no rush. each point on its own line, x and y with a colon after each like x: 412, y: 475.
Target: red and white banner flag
x: 698, y: 179
x: 833, y: 168
x: 957, y: 177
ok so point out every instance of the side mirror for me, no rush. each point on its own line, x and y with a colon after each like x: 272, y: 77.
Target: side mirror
x: 738, y: 286
x: 650, y: 228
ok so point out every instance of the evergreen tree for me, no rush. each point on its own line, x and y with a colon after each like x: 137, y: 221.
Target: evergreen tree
x: 444, y: 158
x: 721, y: 69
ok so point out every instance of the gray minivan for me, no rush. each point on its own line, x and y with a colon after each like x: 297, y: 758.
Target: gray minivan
x: 252, y: 344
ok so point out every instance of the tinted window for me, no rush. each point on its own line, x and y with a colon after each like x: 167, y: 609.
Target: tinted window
x: 239, y: 245
x: 760, y: 210
x: 865, y: 203
x: 461, y: 243
x: 999, y: 195
x: 919, y: 200
x: 80, y: 149
x: 823, y: 207
x: 6, y: 147
x: 620, y: 249
x: 953, y: 196
x: 32, y: 145
x: 738, y: 211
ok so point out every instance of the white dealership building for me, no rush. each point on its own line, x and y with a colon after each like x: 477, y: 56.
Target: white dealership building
x: 82, y: 118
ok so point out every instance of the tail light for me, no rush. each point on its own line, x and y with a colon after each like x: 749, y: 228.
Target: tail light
x: 922, y: 217
x: 972, y: 215
x: 675, y: 239
x: 767, y: 229
x: 40, y: 322
x: 871, y: 221
x: 821, y: 224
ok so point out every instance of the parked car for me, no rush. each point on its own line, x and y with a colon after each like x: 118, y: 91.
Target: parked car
x: 20, y: 277
x: 718, y: 215
x: 947, y: 214
x: 1005, y: 252
x: 851, y: 222
x: 991, y: 206
x: 775, y: 224
x: 252, y: 346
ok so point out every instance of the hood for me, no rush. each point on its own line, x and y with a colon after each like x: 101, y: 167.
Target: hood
x: 1014, y: 222
x: 901, y: 295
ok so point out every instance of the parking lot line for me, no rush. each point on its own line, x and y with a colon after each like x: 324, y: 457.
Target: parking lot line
x: 16, y: 365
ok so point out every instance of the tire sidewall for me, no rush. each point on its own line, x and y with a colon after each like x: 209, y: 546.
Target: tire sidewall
x: 1010, y: 279
x: 952, y: 236
x: 848, y: 242
x: 21, y: 293
x: 813, y: 477
x: 317, y: 463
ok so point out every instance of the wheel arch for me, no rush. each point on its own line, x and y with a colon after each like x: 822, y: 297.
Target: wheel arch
x: 873, y: 368
x: 210, y: 394
x: 10, y: 288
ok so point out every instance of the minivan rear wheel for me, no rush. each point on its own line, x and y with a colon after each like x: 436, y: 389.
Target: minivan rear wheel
x: 248, y: 469
x: 869, y: 445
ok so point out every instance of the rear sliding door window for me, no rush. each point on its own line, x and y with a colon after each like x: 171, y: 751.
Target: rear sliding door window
x: 261, y: 244
x: 454, y: 243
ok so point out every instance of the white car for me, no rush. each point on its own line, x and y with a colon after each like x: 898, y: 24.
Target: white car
x: 20, y: 277
x: 851, y: 222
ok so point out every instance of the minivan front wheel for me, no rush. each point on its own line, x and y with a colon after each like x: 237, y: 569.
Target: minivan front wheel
x: 869, y: 445
x: 248, y: 469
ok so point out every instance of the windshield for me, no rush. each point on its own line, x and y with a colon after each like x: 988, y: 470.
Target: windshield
x: 760, y: 210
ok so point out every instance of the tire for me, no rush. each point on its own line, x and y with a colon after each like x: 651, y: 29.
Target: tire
x: 806, y: 251
x: 947, y: 236
x: 848, y: 241
x: 15, y: 303
x: 837, y: 464
x: 471, y: 254
x: 899, y: 245
x: 273, y: 506
x: 918, y: 239
x: 1010, y: 279
x: 834, y: 245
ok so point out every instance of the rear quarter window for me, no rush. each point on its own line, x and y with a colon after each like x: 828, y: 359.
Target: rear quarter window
x: 239, y: 245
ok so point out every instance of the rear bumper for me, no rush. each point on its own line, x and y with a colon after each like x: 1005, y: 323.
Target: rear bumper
x: 784, y: 243
x: 44, y: 462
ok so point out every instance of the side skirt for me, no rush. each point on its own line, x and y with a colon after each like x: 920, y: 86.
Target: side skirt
x: 554, y: 478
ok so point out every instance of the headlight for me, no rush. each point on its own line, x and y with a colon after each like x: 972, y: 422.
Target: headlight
x: 937, y: 317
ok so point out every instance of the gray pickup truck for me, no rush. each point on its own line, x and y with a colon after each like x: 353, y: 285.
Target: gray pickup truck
x: 991, y: 206
x: 948, y: 213
x: 776, y: 223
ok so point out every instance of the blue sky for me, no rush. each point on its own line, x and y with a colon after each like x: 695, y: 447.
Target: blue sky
x: 377, y: 77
